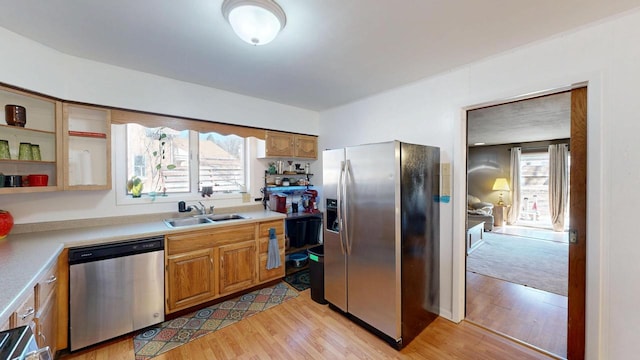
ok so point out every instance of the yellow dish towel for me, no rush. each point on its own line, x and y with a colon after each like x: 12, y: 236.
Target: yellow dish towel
x: 273, y: 252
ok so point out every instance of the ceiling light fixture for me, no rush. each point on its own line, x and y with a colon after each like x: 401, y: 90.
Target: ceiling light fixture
x: 257, y: 22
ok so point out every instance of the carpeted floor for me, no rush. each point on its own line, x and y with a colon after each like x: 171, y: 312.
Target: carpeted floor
x: 163, y: 337
x: 539, y: 264
x: 300, y: 280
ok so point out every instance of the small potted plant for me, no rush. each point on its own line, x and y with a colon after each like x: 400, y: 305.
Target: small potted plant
x: 134, y: 185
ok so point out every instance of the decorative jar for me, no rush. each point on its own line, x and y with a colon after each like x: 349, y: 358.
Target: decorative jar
x: 6, y: 223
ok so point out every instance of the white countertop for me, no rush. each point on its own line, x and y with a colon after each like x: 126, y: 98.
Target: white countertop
x: 24, y: 257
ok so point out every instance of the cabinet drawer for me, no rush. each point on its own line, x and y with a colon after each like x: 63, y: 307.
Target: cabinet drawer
x: 45, y: 286
x: 204, y: 239
x: 25, y: 314
x: 265, y: 226
x: 271, y: 274
x: 264, y: 244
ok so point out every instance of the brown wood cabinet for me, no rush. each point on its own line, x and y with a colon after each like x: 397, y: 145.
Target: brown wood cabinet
x: 263, y: 241
x: 206, y: 264
x: 46, y: 303
x: 86, y: 134
x: 25, y: 314
x: 42, y: 128
x: 73, y: 143
x: 281, y: 144
x: 237, y: 266
x: 190, y: 279
x: 46, y: 324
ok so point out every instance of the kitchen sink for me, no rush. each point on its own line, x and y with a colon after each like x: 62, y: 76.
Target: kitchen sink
x: 225, y: 217
x: 189, y: 221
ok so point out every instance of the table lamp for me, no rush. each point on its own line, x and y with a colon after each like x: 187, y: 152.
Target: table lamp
x: 501, y: 185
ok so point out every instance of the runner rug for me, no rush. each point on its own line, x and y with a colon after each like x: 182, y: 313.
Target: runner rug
x: 163, y: 337
x: 540, y: 264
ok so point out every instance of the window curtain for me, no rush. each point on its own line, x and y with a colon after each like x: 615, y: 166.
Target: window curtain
x: 558, y: 184
x: 514, y: 210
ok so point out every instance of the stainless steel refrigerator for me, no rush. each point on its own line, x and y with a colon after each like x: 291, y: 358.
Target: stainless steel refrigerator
x: 381, y: 236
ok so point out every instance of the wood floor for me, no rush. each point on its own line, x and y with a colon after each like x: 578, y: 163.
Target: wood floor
x: 536, y: 317
x: 303, y: 329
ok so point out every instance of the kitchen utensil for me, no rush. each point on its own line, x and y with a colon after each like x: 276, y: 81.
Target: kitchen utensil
x: 4, y: 150
x: 15, y: 115
x: 13, y: 180
x: 35, y: 152
x: 24, y: 152
x: 38, y: 180
x: 299, y: 260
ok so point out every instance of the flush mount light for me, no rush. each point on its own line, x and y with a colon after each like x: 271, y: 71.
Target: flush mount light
x: 257, y: 22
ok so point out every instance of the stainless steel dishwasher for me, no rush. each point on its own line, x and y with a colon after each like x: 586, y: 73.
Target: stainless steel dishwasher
x: 115, y: 289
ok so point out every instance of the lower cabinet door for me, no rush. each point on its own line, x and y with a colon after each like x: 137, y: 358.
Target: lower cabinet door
x: 190, y: 279
x: 237, y: 266
x: 271, y: 274
x: 47, y: 323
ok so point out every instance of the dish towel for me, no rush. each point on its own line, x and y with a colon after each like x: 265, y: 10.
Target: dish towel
x: 273, y: 253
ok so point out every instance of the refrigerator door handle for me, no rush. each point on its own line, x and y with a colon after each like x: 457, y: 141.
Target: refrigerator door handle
x: 345, y: 213
x: 339, y: 207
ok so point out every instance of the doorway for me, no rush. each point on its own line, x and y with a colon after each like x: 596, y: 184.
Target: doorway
x: 565, y: 324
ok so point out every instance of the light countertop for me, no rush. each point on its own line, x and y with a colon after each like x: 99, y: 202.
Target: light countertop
x: 24, y: 257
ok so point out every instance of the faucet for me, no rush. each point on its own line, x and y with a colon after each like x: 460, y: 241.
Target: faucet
x: 202, y: 210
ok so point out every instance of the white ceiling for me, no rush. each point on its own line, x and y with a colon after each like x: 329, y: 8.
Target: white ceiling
x: 331, y: 52
x: 541, y: 118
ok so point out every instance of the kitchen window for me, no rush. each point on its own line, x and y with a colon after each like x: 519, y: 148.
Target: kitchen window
x: 162, y: 159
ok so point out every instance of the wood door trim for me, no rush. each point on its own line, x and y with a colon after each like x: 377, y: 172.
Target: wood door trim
x: 576, y: 330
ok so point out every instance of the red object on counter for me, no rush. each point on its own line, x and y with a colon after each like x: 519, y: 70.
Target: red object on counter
x: 6, y: 223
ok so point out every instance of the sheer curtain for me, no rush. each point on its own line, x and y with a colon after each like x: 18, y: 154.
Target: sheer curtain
x: 558, y: 184
x: 514, y: 211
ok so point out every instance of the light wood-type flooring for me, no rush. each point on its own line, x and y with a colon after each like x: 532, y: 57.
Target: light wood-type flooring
x: 302, y: 329
x: 530, y: 315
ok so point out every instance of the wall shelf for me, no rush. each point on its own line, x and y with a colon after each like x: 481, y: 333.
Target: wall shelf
x: 87, y: 134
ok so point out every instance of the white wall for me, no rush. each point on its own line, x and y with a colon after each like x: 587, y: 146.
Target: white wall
x: 32, y: 66
x: 430, y: 111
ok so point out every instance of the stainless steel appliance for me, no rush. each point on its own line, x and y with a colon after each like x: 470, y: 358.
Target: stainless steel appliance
x: 19, y: 343
x: 381, y: 238
x: 115, y: 289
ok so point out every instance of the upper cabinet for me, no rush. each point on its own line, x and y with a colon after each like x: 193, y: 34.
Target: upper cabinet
x: 287, y: 145
x: 31, y: 146
x: 87, y: 147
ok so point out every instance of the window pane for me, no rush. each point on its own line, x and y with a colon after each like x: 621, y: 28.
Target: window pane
x: 159, y: 157
x: 221, y: 162
x: 534, y: 170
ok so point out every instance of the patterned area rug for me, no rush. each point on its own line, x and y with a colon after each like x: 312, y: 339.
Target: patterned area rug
x: 300, y: 280
x: 163, y: 337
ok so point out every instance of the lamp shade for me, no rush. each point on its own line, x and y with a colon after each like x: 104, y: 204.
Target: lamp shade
x: 501, y: 184
x: 257, y: 22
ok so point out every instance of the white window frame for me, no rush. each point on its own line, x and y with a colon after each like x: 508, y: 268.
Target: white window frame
x: 119, y: 168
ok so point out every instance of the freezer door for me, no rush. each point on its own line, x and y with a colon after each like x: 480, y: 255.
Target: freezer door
x: 372, y: 219
x: 335, y: 271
